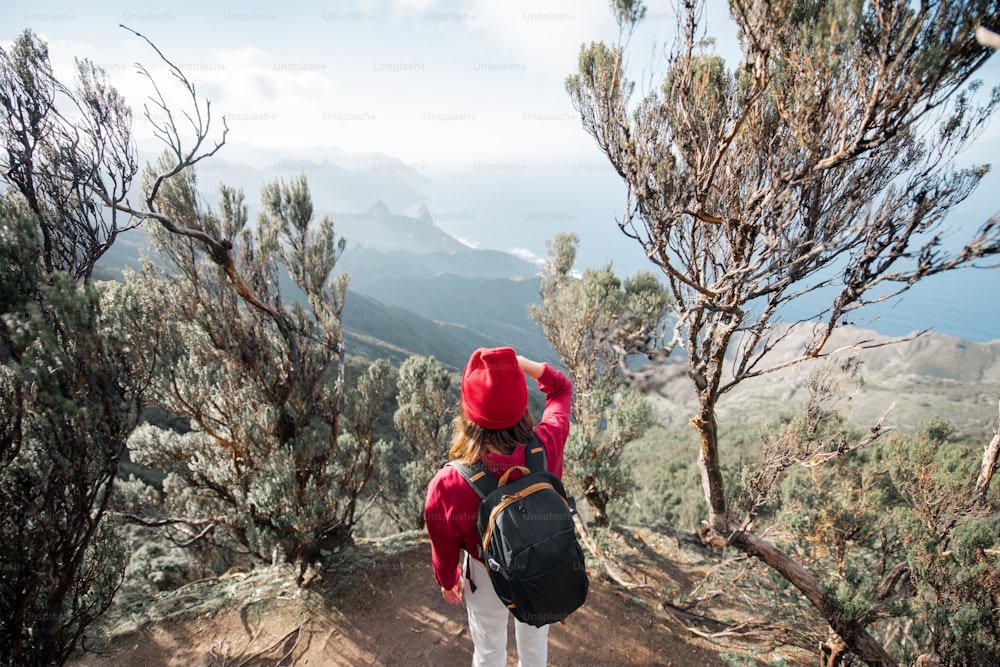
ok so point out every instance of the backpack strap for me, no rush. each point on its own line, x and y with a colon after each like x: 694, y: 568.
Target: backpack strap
x: 534, y: 455
x: 485, y: 482
x: 478, y: 476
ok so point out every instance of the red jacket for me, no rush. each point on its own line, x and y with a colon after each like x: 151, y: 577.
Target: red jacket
x: 450, y: 510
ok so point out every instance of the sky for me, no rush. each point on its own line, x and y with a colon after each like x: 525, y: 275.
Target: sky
x: 469, y: 97
x: 422, y: 80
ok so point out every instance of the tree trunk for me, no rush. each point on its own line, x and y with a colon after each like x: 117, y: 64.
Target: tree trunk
x: 854, y: 634
x: 598, y: 505
x: 708, y: 463
x: 832, y: 651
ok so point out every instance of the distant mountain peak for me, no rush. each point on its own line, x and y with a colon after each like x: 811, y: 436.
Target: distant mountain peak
x: 379, y: 209
x: 424, y: 214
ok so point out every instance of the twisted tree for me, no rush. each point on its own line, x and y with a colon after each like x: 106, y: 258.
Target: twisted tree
x: 70, y: 385
x: 71, y: 377
x: 270, y: 466
x: 820, y: 165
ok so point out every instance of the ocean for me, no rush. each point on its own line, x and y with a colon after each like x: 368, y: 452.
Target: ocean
x: 519, y: 210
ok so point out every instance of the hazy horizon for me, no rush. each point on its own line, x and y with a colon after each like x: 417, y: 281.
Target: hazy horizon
x: 467, y: 99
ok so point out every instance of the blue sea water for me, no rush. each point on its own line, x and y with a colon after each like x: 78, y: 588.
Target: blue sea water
x: 964, y: 303
x: 521, y: 210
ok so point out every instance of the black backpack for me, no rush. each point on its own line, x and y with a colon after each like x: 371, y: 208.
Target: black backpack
x: 528, y: 540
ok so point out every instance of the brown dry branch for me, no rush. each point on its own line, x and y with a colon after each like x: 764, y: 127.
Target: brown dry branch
x: 614, y: 570
x: 744, y: 627
x: 874, y: 432
x: 183, y: 158
x: 753, y: 187
x: 180, y: 524
x: 987, y: 37
x: 297, y: 632
x: 990, y: 455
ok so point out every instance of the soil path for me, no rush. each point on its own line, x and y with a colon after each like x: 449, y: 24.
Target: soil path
x: 387, y: 611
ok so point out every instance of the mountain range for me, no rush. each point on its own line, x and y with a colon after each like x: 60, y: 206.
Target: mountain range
x: 416, y: 289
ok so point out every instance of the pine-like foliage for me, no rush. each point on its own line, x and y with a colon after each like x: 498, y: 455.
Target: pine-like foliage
x: 69, y: 387
x: 422, y: 420
x: 594, y: 323
x: 69, y: 397
x: 268, y: 467
x: 68, y: 151
x: 908, y: 544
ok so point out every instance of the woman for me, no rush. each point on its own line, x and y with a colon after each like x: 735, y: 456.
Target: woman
x: 493, y: 426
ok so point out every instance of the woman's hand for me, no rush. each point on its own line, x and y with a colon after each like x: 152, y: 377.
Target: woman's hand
x: 532, y: 368
x: 453, y: 595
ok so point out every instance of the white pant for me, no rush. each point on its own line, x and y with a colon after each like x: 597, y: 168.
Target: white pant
x: 488, y: 626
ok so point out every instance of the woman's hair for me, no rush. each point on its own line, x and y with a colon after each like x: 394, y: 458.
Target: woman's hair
x: 469, y: 440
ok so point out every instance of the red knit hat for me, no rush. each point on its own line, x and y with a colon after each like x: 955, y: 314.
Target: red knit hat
x: 494, y: 391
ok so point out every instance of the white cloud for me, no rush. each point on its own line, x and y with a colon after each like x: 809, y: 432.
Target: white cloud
x: 527, y: 255
x: 545, y: 33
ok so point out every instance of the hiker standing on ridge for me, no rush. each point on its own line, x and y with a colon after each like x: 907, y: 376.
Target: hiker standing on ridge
x: 493, y: 426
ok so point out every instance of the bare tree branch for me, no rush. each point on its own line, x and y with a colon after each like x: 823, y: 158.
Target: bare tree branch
x: 821, y: 163
x: 990, y: 455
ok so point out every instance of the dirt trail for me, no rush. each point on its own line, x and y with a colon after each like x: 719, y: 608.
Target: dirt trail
x: 388, y: 611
